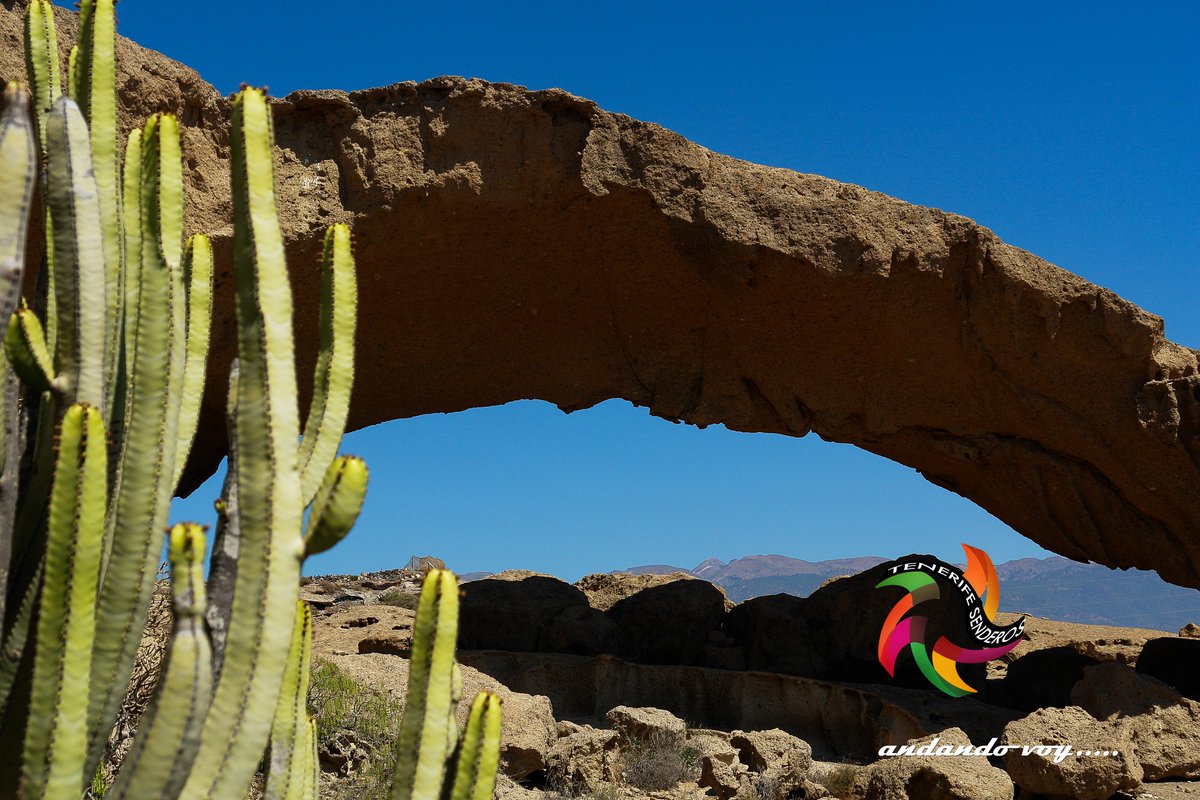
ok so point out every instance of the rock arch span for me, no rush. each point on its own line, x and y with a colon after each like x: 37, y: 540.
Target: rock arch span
x: 516, y: 244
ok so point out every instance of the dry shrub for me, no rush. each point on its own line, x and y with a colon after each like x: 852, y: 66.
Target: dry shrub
x: 660, y: 761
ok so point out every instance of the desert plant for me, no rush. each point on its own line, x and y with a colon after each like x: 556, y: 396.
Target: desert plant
x: 118, y: 333
x: 839, y: 779
x: 347, y: 710
x: 399, y: 599
x: 658, y: 761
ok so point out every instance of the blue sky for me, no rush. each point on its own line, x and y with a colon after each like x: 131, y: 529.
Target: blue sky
x: 1067, y: 128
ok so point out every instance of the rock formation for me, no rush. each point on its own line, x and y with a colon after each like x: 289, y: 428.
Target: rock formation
x: 527, y: 244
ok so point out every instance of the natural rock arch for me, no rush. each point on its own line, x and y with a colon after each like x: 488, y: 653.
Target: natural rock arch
x: 515, y: 244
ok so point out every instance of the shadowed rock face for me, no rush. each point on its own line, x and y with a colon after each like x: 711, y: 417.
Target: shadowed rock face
x: 515, y: 244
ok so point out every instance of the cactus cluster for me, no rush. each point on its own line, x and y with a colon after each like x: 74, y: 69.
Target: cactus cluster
x: 102, y: 379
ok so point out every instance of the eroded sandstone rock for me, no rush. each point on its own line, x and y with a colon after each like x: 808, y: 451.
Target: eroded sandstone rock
x: 604, y: 589
x: 1163, y: 724
x: 933, y: 777
x: 549, y: 249
x: 1076, y: 776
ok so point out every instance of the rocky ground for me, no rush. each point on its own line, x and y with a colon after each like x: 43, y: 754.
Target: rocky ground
x: 658, y: 686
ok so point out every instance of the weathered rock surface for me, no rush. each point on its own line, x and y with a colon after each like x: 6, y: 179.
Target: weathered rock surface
x: 1164, y: 725
x: 553, y: 250
x: 604, y: 589
x: 833, y: 634
x: 644, y: 723
x: 500, y: 614
x: 775, y: 757
x: 1044, y: 678
x: 1077, y: 776
x: 669, y: 623
x: 933, y: 777
x: 1101, y: 642
x: 583, y: 759
x: 836, y: 720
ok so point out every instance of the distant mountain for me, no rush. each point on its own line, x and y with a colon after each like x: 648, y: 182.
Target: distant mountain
x: 655, y: 569
x: 1053, y: 587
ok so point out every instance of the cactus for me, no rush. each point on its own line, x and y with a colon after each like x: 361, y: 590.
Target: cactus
x: 56, y: 737
x: 75, y: 582
x: 146, y: 462
x: 169, y: 733
x: 479, y: 755
x: 337, y: 504
x: 287, y: 760
x: 433, y: 763
x: 17, y: 172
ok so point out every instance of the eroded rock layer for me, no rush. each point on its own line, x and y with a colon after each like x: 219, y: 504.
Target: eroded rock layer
x: 527, y: 244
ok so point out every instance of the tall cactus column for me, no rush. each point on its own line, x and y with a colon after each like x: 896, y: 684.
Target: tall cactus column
x: 270, y: 505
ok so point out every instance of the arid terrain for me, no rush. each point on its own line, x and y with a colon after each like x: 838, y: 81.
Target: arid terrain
x: 659, y: 686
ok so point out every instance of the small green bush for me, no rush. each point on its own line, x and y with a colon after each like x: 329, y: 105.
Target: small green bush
x: 395, y: 597
x: 342, y: 704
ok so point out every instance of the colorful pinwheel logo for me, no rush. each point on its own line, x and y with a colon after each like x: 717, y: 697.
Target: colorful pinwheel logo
x: 977, y: 588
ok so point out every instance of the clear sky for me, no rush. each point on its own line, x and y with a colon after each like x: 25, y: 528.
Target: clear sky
x: 1070, y: 129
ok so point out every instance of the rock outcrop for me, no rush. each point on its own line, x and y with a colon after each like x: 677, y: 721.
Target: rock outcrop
x: 1163, y: 724
x: 605, y: 589
x: 1046, y: 771
x: 837, y: 720
x: 527, y: 244
x: 1175, y: 661
x: 833, y: 633
x: 968, y: 777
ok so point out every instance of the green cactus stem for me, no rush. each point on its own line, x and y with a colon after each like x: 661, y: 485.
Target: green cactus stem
x: 56, y: 734
x: 334, y: 373
x: 77, y: 354
x: 198, y: 276
x: 18, y: 161
x: 169, y: 733
x: 268, y: 482
x: 26, y: 351
x: 78, y: 261
x: 479, y: 754
x: 423, y: 743
x: 45, y: 81
x: 312, y: 786
x: 287, y: 756
x: 132, y: 213
x: 41, y: 61
x: 337, y: 505
x: 94, y: 87
x: 16, y: 639
x: 143, y: 480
